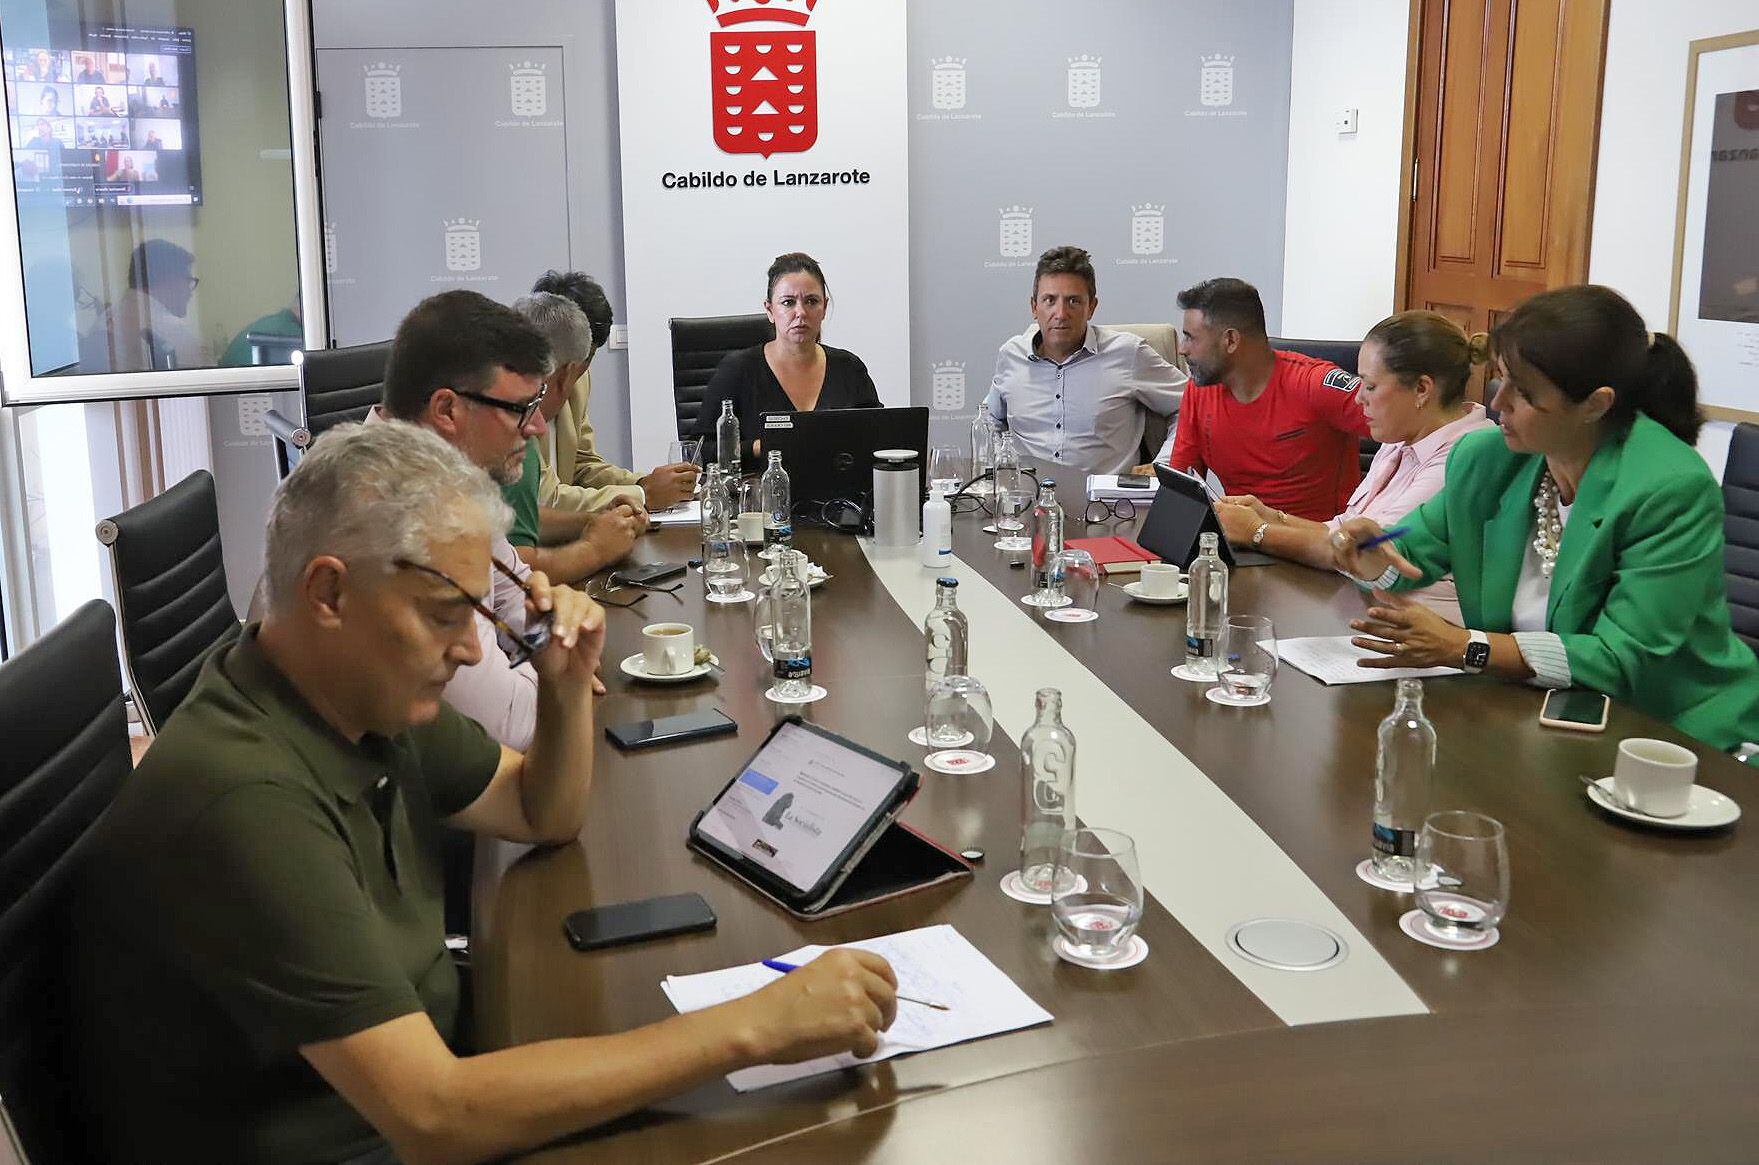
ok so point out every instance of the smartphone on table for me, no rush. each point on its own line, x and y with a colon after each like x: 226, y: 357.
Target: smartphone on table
x: 629, y: 922
x: 1575, y: 709
x: 670, y: 729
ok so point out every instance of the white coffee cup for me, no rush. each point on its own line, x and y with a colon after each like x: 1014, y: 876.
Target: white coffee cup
x: 668, y: 649
x: 1655, y: 777
x: 1160, y: 580
x: 751, y: 527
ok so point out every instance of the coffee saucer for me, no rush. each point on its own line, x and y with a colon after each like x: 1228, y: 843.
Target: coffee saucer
x: 815, y: 576
x: 635, y: 667
x: 1135, y: 591
x: 1707, y: 809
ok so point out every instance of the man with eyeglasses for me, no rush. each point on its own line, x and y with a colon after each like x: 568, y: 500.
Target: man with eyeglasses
x: 260, y: 974
x: 472, y: 370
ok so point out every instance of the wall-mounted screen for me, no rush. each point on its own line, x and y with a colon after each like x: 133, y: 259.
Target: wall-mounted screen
x: 106, y: 117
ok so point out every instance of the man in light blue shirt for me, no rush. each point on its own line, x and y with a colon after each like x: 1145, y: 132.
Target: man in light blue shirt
x: 1073, y: 392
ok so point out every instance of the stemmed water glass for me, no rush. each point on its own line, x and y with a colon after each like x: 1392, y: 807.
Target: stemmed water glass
x: 943, y: 470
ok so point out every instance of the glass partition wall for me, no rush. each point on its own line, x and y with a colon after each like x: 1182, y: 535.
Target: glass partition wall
x: 151, y: 253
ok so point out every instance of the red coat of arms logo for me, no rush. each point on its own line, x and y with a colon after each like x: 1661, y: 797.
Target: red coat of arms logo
x: 763, y: 82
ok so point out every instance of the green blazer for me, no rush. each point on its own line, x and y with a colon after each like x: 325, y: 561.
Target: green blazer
x: 1638, y: 595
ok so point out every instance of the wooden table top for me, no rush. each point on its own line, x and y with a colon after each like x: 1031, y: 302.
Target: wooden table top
x: 1599, y: 1085
x: 1603, y: 914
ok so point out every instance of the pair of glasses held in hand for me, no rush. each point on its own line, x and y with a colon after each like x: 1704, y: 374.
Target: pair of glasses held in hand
x: 518, y: 647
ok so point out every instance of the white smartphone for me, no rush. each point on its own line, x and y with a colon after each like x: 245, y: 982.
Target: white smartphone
x: 1576, y: 709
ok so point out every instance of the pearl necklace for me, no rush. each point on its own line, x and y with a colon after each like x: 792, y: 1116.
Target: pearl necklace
x: 1548, y: 531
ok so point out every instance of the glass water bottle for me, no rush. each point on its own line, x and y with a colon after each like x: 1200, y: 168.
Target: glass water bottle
x: 778, y: 505
x: 1047, y: 792
x: 1404, y: 781
x: 947, y: 633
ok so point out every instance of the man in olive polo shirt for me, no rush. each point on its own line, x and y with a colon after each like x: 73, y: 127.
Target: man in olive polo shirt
x: 260, y: 972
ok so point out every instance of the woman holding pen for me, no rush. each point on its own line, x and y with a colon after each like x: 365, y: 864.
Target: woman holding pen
x: 1586, y: 538
x: 1414, y: 368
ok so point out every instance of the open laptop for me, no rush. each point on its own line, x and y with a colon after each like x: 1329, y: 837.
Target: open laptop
x: 1182, y: 511
x: 829, y: 453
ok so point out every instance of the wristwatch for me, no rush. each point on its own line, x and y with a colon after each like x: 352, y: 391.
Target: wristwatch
x: 1258, y: 534
x: 1477, y: 652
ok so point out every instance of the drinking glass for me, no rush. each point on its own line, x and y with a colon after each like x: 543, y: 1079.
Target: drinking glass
x: 1248, y: 663
x: 1096, y: 893
x: 726, y: 568
x: 1013, y: 498
x: 686, y: 451
x: 943, y: 470
x: 959, y: 714
x: 1462, y: 873
x: 1075, y: 572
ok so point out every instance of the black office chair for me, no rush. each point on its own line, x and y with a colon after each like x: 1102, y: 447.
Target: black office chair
x: 699, y: 344
x: 171, y: 589
x: 66, y: 755
x: 1343, y: 353
x: 1740, y: 499
x: 336, y: 385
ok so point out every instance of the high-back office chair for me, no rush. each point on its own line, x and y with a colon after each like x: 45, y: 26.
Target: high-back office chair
x: 1164, y: 339
x: 699, y: 344
x: 1740, y: 499
x: 335, y: 385
x: 1343, y: 353
x: 66, y: 755
x: 171, y: 590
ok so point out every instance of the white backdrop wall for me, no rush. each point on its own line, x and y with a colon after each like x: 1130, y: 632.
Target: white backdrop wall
x: 1344, y: 200
x: 693, y: 251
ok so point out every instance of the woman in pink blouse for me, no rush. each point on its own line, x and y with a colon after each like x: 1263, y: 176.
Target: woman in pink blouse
x: 1414, y: 368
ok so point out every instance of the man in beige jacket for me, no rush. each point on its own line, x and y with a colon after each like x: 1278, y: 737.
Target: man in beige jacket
x: 575, y: 476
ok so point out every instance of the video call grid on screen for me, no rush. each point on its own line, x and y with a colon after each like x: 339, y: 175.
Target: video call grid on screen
x: 106, y: 120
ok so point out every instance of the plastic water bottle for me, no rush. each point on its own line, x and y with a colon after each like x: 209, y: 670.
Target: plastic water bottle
x: 778, y: 505
x: 1206, y: 610
x: 947, y: 633
x: 1047, y: 791
x: 937, y: 530
x: 1404, y: 780
x: 727, y: 442
x: 790, y: 611
x: 1047, y: 533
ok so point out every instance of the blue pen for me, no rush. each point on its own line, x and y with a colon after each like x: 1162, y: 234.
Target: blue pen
x: 1384, y: 536
x: 784, y: 968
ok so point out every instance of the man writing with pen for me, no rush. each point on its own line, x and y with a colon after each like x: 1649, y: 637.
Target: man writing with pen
x: 260, y: 973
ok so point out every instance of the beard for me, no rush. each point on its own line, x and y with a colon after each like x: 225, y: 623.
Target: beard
x: 509, y: 470
x: 1202, y: 373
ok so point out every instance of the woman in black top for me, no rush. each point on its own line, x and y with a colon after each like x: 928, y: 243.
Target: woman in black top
x: 791, y: 373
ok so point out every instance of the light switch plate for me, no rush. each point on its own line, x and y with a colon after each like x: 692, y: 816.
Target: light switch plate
x: 619, y: 337
x: 1346, y: 120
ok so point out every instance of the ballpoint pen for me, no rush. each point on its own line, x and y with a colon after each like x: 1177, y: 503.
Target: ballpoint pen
x: 1384, y: 536
x: 784, y: 968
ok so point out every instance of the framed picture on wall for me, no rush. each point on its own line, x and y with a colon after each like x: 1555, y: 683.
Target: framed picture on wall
x: 1715, y: 306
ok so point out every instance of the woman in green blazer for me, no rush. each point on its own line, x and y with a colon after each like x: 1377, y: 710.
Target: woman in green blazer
x: 1586, y: 538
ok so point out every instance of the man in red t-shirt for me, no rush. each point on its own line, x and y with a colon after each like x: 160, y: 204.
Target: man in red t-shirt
x: 1279, y: 425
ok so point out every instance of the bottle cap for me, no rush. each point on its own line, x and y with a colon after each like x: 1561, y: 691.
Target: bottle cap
x: 947, y: 582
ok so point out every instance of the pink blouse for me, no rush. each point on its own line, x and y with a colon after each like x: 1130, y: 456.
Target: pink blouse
x: 1403, y: 477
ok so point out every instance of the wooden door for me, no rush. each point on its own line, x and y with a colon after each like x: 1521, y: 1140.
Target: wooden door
x: 1503, y: 113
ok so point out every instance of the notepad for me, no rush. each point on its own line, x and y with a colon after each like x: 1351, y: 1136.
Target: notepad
x: 932, y: 962
x: 682, y: 514
x: 1332, y: 660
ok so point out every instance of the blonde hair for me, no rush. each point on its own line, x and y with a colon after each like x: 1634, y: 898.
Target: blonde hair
x: 1427, y: 343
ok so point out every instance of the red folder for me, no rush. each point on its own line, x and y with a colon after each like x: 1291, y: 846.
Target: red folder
x: 1114, y: 555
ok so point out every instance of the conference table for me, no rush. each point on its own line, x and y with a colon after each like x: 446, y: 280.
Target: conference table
x: 1613, y: 1016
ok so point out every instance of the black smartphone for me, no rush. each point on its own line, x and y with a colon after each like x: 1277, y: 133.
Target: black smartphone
x: 1135, y: 480
x: 689, y: 726
x: 633, y: 922
x: 649, y: 572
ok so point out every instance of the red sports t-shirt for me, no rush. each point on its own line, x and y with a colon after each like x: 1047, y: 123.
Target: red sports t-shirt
x: 1295, y: 447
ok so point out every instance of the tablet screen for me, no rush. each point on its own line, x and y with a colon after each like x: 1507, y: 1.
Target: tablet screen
x: 799, y: 804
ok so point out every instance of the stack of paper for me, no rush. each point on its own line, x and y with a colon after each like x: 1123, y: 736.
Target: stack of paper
x: 1105, y: 487
x: 1332, y: 660
x: 936, y: 963
x: 682, y: 514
